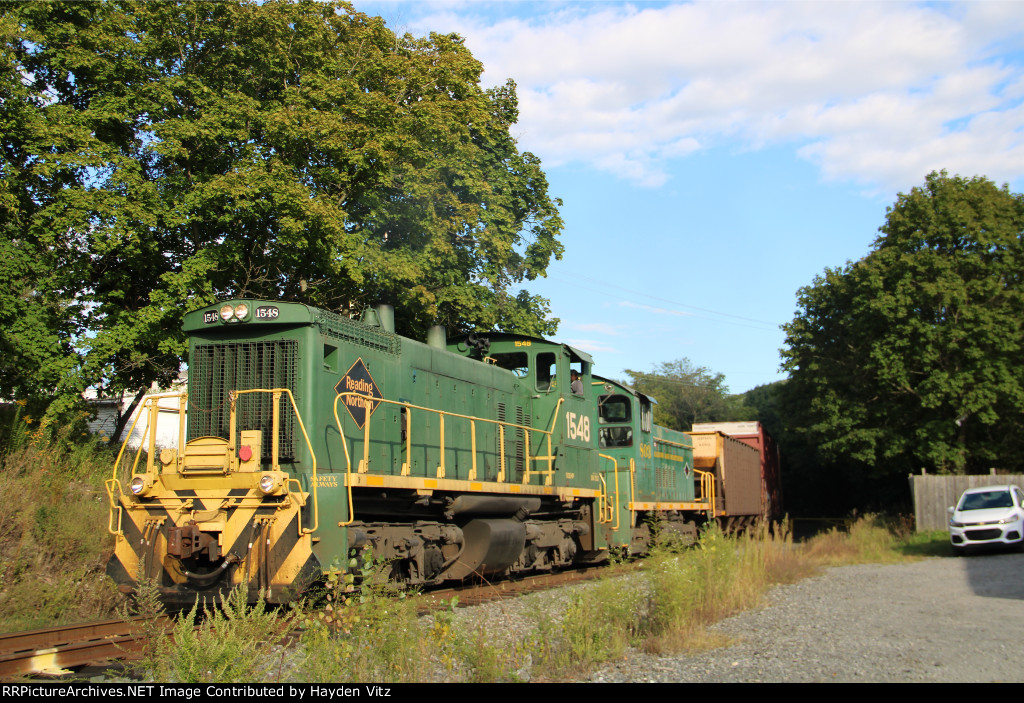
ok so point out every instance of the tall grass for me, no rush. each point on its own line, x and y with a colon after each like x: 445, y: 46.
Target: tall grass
x: 53, y: 539
x: 600, y: 622
x: 868, y: 539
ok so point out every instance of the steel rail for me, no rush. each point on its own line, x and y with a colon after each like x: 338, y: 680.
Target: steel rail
x: 56, y: 649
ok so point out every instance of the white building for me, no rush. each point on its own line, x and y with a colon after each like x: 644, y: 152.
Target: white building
x: 167, y: 418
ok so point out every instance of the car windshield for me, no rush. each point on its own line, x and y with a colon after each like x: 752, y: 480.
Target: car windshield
x: 988, y: 499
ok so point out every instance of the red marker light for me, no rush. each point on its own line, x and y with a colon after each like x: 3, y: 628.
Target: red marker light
x: 245, y: 452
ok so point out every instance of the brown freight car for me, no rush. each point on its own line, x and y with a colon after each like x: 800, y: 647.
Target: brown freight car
x: 754, y: 435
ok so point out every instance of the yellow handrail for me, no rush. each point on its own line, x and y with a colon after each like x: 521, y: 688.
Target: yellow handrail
x: 110, y: 483
x: 602, y: 497
x: 707, y: 488
x: 348, y: 458
x: 658, y: 440
x: 632, y: 490
x: 274, y: 459
x: 364, y: 464
x: 615, y: 470
x: 528, y: 473
x: 113, y: 482
x: 151, y: 428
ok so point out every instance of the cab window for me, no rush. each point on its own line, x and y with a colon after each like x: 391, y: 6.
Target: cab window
x: 516, y: 362
x: 615, y: 409
x: 576, y: 377
x: 615, y: 436
x: 546, y: 370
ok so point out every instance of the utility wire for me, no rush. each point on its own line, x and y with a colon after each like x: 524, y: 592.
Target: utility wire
x: 606, y: 284
x: 603, y: 290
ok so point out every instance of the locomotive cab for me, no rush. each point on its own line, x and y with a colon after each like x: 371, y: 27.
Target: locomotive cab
x: 649, y: 469
x: 545, y: 371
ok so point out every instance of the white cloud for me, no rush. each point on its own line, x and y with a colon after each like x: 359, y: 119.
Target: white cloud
x: 872, y: 92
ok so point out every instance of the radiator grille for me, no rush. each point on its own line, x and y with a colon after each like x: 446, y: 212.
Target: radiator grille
x: 342, y: 328
x: 216, y: 369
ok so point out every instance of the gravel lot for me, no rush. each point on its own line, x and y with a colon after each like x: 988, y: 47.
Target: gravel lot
x: 951, y: 619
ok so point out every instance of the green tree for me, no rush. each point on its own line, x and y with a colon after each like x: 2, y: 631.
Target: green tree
x: 163, y: 155
x: 911, y: 357
x: 687, y: 394
x: 765, y: 405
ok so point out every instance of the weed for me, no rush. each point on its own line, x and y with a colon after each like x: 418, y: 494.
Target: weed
x: 600, y: 622
x: 235, y: 643
x: 442, y: 635
x: 363, y: 629
x: 480, y: 659
x: 862, y: 540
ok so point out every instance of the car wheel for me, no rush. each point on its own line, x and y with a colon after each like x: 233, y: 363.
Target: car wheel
x: 958, y: 551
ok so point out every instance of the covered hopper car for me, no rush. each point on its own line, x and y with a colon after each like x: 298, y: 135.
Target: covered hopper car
x: 305, y: 435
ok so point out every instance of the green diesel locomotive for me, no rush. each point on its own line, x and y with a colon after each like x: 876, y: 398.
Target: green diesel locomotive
x: 305, y: 435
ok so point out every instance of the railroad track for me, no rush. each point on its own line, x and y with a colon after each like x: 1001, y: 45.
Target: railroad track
x: 477, y: 593
x: 55, y: 650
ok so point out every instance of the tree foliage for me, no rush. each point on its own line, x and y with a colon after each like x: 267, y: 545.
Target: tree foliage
x: 158, y: 156
x: 911, y: 357
x: 687, y: 394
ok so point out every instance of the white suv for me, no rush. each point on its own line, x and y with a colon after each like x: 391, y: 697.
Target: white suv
x: 987, y: 516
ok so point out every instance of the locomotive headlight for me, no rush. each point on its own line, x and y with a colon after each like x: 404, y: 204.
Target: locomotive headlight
x: 226, y: 313
x: 270, y: 484
x: 241, y: 311
x: 140, y: 484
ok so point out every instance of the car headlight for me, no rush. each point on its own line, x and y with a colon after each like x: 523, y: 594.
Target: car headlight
x: 1007, y: 520
x: 954, y: 523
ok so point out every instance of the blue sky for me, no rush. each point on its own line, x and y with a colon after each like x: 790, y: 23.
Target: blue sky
x: 715, y: 157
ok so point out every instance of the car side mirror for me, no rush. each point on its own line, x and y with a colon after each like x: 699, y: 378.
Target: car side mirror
x: 951, y: 510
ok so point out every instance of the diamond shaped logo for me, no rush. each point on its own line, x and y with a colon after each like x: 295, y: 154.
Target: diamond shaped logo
x: 358, y: 380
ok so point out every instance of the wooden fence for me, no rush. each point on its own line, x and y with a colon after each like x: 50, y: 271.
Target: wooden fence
x: 933, y: 494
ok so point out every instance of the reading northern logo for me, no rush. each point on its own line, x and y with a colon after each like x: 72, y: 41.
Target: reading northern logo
x: 359, y: 380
